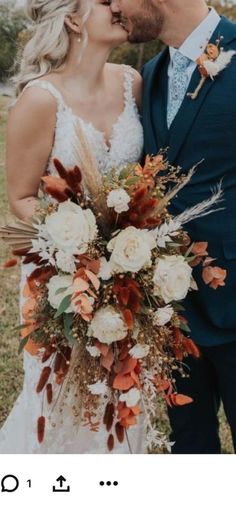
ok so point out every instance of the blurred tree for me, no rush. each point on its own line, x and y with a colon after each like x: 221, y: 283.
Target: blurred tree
x: 136, y: 54
x: 12, y: 23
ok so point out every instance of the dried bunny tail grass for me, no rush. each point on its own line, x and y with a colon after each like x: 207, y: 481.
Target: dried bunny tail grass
x: 201, y: 209
x: 90, y: 172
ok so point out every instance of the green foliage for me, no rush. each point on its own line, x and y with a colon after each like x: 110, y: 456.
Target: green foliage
x: 12, y: 23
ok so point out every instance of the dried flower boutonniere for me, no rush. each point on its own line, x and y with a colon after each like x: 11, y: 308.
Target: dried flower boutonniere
x: 211, y: 63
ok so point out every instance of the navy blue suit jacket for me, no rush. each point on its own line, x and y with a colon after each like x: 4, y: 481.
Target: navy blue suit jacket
x: 203, y: 129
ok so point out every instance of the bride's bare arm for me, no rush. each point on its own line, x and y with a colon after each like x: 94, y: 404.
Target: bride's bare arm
x: 30, y: 133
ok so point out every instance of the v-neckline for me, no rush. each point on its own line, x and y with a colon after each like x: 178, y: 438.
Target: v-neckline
x: 107, y: 142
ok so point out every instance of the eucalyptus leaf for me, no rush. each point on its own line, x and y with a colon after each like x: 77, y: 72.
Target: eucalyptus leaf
x: 61, y: 290
x: 132, y: 180
x: 177, y: 306
x: 185, y: 327
x: 124, y: 173
x: 23, y: 343
x: 68, y: 320
x: 20, y: 327
x: 65, y: 303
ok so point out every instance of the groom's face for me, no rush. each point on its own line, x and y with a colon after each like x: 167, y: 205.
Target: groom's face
x: 142, y: 19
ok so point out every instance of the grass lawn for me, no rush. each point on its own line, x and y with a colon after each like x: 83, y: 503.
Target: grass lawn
x: 11, y: 372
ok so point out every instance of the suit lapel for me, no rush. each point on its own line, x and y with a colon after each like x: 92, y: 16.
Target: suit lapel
x: 186, y: 116
x: 190, y: 108
x: 149, y: 117
x: 159, y: 106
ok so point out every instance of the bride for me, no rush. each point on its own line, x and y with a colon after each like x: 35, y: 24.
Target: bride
x: 65, y: 80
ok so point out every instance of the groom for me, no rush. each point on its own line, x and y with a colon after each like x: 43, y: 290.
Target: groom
x: 194, y: 130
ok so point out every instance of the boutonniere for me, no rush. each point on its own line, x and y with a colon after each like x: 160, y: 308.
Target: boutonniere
x: 211, y: 63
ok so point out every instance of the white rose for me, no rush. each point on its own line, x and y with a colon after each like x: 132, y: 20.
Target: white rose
x: 108, y: 325
x: 119, y: 199
x: 99, y: 388
x: 93, y: 351
x: 71, y: 228
x: 54, y: 284
x: 163, y: 315
x: 65, y: 261
x: 105, y: 269
x: 172, y: 278
x: 131, y: 250
x: 131, y: 398
x: 139, y: 351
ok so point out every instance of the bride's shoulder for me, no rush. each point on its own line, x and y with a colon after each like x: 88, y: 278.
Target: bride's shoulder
x: 34, y: 98
x: 34, y: 110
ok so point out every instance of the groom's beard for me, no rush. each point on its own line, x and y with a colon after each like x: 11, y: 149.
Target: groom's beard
x: 144, y: 27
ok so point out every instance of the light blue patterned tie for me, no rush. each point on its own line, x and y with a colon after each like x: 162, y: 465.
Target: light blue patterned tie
x: 178, y: 85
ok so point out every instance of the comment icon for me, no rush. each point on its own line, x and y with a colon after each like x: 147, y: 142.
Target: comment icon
x: 9, y: 483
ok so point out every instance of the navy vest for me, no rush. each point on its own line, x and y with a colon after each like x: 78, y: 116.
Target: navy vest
x: 203, y: 129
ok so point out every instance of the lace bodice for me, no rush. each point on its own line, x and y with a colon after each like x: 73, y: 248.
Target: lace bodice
x: 125, y: 144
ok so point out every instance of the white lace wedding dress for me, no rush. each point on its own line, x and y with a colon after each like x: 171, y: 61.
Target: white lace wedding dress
x: 18, y: 434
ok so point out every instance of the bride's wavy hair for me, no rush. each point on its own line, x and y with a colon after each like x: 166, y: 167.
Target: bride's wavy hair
x: 48, y: 47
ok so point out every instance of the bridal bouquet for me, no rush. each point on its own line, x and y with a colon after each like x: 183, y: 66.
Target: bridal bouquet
x: 103, y: 303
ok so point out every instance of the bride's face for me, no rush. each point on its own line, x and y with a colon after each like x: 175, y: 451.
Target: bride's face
x: 102, y: 28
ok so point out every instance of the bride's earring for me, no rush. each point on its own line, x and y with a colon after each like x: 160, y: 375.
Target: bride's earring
x: 79, y: 38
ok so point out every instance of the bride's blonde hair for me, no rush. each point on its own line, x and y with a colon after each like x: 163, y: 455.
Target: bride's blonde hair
x: 48, y: 47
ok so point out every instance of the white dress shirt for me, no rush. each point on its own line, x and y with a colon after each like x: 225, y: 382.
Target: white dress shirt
x: 195, y: 44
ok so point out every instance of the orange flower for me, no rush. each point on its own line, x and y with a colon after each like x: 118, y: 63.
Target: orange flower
x: 214, y: 276
x: 212, y: 51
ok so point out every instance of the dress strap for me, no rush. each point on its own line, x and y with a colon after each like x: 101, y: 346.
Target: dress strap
x: 46, y: 85
x: 128, y: 84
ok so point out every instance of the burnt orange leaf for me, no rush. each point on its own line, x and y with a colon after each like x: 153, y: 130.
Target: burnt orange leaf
x: 127, y: 422
x: 123, y: 382
x: 135, y: 378
x: 214, y: 276
x: 181, y: 400
x: 200, y: 249
x: 129, y: 365
x: 136, y: 410
x: 124, y: 412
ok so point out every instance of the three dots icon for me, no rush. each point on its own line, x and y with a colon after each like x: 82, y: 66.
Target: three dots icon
x: 108, y: 483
